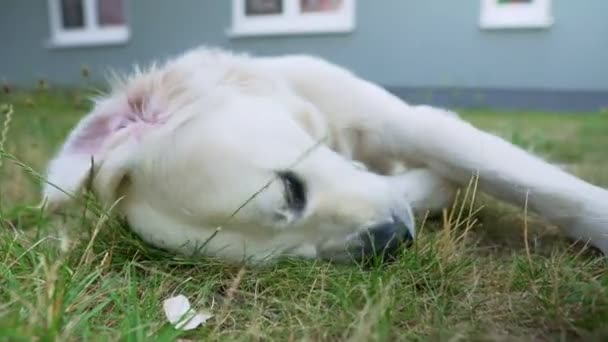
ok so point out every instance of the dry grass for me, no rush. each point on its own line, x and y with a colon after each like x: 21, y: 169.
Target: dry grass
x: 475, y: 275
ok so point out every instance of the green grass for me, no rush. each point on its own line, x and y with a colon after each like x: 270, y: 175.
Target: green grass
x: 80, y: 277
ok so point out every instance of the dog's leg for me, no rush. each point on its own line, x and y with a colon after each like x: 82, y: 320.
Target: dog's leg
x: 458, y: 151
x: 426, y: 192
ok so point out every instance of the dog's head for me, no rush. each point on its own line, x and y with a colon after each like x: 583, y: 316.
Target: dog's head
x: 204, y: 154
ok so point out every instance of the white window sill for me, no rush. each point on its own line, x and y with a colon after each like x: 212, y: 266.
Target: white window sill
x: 530, y: 15
x: 115, y: 36
x: 514, y: 24
x: 237, y: 32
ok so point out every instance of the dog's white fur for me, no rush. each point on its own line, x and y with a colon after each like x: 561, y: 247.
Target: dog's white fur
x: 183, y: 145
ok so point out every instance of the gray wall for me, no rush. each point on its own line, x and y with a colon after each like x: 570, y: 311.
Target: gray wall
x: 403, y: 44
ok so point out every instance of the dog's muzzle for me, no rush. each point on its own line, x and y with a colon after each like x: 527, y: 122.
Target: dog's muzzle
x: 382, y: 241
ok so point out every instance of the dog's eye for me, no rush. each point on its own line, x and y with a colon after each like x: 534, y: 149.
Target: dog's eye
x: 295, y: 190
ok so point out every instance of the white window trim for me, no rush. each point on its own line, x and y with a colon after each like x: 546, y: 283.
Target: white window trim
x: 90, y: 35
x: 537, y: 14
x: 291, y: 21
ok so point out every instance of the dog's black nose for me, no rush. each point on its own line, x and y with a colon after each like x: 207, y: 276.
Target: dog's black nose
x: 380, y: 242
x: 383, y: 240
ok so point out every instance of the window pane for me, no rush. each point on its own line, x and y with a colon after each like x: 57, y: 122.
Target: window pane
x: 320, y: 5
x: 263, y: 7
x: 72, y: 14
x: 111, y: 12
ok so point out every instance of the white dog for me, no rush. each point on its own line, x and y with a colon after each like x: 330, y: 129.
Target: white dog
x: 253, y: 158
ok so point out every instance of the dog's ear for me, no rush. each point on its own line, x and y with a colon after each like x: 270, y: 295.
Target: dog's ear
x: 67, y: 174
x: 84, y: 154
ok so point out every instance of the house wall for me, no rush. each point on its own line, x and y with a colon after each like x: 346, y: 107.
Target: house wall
x: 426, y: 51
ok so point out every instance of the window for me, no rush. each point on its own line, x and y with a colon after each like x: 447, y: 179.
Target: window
x: 87, y: 22
x: 515, y: 14
x: 273, y: 17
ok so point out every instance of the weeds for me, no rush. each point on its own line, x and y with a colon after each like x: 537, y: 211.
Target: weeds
x: 7, y: 113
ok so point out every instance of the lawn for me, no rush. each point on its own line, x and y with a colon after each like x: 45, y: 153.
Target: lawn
x: 474, y: 276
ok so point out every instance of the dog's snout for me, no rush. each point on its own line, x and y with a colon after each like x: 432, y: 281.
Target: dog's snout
x: 385, y: 239
x: 381, y: 241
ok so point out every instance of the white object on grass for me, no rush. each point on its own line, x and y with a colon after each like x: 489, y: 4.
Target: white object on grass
x: 181, y: 315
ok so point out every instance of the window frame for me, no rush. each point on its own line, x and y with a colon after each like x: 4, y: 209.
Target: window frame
x: 537, y: 14
x: 91, y: 34
x: 292, y: 21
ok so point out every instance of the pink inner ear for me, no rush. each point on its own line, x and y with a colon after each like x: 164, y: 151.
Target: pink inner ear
x: 91, y: 134
x: 90, y: 138
x: 136, y: 114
